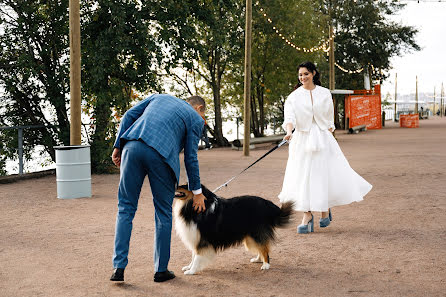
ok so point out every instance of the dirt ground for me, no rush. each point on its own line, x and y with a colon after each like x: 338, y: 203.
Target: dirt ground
x: 391, y: 244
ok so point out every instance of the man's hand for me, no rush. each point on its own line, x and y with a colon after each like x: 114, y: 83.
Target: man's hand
x: 198, y: 203
x: 116, y: 157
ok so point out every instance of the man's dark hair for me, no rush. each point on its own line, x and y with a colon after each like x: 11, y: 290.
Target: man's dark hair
x: 196, y: 100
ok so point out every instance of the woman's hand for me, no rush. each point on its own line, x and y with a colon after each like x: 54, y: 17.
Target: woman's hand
x: 289, y: 132
x: 288, y: 136
x: 116, y: 157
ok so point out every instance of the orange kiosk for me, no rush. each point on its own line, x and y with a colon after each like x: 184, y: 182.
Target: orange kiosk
x: 363, y: 107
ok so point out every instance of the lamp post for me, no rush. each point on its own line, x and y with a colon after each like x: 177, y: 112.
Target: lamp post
x: 442, y: 101
x: 416, y: 95
x: 433, y: 109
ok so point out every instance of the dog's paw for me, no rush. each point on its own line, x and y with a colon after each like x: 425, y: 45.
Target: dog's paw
x: 189, y: 272
x: 256, y: 260
x: 185, y: 268
x: 265, y: 266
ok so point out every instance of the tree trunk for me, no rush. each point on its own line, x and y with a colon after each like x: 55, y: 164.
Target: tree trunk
x: 336, y: 113
x: 218, y: 128
x: 254, y: 117
x: 261, y: 111
x: 64, y: 124
x: 101, y: 147
x: 216, y: 73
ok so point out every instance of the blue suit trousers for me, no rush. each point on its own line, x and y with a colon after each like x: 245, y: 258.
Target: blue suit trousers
x: 139, y: 160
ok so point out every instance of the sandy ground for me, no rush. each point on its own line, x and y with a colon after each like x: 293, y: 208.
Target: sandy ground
x: 391, y: 244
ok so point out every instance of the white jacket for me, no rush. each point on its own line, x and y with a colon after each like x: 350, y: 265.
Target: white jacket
x: 299, y: 110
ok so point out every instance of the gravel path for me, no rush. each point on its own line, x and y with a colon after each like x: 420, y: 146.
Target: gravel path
x: 391, y: 244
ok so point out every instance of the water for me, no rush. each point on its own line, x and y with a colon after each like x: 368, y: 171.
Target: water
x: 38, y: 162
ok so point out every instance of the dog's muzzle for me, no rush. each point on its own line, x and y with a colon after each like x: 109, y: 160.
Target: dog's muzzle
x: 180, y: 195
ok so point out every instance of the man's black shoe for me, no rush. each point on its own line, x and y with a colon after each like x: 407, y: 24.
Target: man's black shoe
x: 118, y: 275
x: 163, y: 276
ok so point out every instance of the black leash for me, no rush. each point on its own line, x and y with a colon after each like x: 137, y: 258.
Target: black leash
x: 234, y: 177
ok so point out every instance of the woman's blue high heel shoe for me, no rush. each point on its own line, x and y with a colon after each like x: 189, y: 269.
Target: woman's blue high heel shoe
x: 304, y: 229
x: 324, y: 222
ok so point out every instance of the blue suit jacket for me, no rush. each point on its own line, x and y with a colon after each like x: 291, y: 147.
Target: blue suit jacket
x: 167, y: 124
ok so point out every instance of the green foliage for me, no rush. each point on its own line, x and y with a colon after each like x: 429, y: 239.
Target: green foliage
x: 386, y: 102
x: 118, y: 55
x: 274, y: 63
x: 210, y: 42
x: 5, y: 152
x: 34, y: 73
x: 130, y: 46
x: 365, y: 36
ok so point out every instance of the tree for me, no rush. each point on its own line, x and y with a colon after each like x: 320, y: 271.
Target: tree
x: 122, y: 46
x: 214, y: 31
x: 119, y: 55
x: 34, y: 73
x: 365, y: 37
x: 365, y: 40
x: 274, y: 62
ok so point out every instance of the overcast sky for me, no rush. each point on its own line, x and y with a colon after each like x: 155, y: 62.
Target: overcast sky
x: 429, y: 63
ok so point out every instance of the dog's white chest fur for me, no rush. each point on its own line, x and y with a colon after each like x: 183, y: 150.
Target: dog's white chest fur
x: 188, y: 233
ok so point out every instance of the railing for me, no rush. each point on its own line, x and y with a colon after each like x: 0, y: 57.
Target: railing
x: 20, y: 141
x: 235, y: 123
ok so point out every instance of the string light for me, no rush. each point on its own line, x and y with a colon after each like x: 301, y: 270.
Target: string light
x: 322, y: 46
x: 348, y: 71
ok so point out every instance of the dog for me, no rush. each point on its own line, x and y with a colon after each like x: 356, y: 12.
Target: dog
x: 225, y: 223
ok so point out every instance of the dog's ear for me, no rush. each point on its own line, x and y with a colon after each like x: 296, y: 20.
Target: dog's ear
x: 185, y: 187
x: 206, y: 192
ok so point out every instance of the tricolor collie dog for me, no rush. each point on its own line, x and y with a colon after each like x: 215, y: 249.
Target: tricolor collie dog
x: 249, y: 220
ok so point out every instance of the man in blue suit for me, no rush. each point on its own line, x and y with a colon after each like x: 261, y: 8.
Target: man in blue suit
x: 150, y: 138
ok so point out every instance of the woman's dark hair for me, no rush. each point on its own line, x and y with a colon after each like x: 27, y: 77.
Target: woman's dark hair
x: 311, y: 67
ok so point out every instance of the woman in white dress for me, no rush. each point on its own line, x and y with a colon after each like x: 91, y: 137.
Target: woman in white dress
x: 317, y: 176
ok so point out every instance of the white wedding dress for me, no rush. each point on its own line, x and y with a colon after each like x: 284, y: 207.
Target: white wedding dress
x: 317, y: 176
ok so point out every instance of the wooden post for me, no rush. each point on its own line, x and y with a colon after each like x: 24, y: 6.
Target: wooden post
x: 247, y: 94
x: 75, y: 73
x: 394, y: 115
x: 416, y: 94
x: 331, y: 58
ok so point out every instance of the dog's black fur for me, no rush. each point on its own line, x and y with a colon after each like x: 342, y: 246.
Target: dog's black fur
x: 227, y: 222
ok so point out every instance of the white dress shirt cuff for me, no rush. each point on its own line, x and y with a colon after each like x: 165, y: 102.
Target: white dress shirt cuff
x: 197, y: 192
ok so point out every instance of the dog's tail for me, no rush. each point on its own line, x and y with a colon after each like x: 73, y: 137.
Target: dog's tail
x: 286, y: 211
